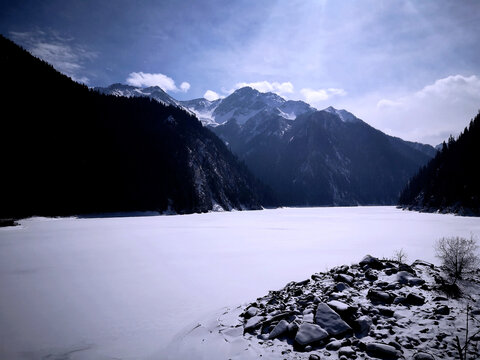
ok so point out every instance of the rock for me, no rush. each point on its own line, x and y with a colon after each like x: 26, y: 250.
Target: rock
x: 395, y: 344
x: 442, y: 310
x: 407, y: 268
x: 252, y: 311
x: 363, y: 325
x: 372, y: 262
x: 385, y: 311
x: 380, y: 296
x: 406, y: 278
x: 423, y: 356
x: 344, y: 278
x: 331, y: 321
x: 400, y: 300
x: 293, y: 327
x: 340, y: 286
x: 346, y: 351
x: 253, y: 323
x: 382, y: 351
x: 334, y: 345
x: 341, y: 308
x: 414, y: 299
x: 280, y: 329
x: 391, y: 271
x: 440, y: 298
x: 310, y: 333
x: 371, y: 275
x: 314, y: 357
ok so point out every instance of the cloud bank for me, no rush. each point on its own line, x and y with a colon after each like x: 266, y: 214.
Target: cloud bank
x: 281, y: 89
x: 142, y: 79
x: 315, y: 97
x: 211, y: 95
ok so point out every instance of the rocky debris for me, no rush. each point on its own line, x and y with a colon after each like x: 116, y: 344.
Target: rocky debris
x: 375, y: 309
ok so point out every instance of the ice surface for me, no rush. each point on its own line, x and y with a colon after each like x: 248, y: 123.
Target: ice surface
x: 103, y: 288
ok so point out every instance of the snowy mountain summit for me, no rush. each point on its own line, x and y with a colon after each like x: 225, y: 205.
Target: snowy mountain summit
x: 374, y: 309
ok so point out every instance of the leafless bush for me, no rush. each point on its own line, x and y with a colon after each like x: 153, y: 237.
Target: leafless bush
x: 400, y: 256
x: 458, y: 255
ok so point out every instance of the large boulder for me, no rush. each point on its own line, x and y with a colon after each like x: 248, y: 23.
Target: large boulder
x: 310, y: 333
x: 415, y: 299
x: 372, y: 262
x: 331, y: 321
x: 380, y: 296
x: 405, y: 278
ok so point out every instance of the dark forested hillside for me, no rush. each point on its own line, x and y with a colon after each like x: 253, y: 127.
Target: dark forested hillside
x: 451, y: 181
x: 67, y: 149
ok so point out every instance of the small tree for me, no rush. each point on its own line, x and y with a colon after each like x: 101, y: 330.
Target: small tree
x: 400, y: 256
x: 458, y: 255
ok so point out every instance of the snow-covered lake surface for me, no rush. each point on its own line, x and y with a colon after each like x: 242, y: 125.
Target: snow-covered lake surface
x: 122, y: 288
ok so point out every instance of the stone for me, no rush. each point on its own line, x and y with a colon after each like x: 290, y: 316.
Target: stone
x: 310, y: 333
x: 252, y: 311
x: 341, y: 308
x: 363, y: 325
x: 279, y: 329
x: 406, y: 278
x: 414, y: 299
x: 385, y: 311
x: 340, y: 286
x: 253, y: 323
x: 331, y: 321
x: 372, y: 262
x: 344, y: 278
x: 314, y: 357
x: 423, y: 356
x: 371, y: 275
x: 382, y: 351
x: 380, y: 296
x: 334, y: 345
x: 442, y: 310
x: 346, y: 351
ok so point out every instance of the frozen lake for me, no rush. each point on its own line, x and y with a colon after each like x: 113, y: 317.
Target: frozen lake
x: 122, y: 288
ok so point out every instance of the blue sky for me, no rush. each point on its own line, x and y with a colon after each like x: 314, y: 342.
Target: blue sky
x: 409, y: 68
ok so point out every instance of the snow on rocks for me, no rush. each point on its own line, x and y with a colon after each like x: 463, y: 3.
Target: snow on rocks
x: 375, y: 309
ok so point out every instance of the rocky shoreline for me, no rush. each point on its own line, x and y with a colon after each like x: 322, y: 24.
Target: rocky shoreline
x: 374, y: 309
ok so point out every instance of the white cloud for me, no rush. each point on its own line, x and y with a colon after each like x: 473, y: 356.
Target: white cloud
x: 142, y: 79
x: 211, y: 95
x: 265, y: 86
x: 184, y: 86
x: 317, y: 96
x: 428, y: 115
x: 63, y: 53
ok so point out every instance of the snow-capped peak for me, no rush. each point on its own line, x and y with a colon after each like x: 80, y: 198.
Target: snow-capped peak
x: 344, y: 115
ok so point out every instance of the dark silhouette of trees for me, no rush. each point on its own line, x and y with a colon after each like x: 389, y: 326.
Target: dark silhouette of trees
x: 450, y: 182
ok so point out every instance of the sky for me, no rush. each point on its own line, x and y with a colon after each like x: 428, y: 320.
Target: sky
x: 408, y: 68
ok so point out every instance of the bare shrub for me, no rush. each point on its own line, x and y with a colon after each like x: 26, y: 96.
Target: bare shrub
x: 400, y: 256
x: 458, y: 255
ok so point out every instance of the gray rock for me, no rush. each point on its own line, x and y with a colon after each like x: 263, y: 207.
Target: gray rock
x: 372, y: 262
x: 442, y: 310
x: 253, y: 323
x: 346, y: 351
x: 382, y: 351
x: 279, y: 329
x: 331, y: 321
x: 406, y: 278
x: 423, y: 356
x: 371, y: 275
x: 380, y: 296
x: 334, y: 345
x: 309, y: 333
x: 363, y: 325
x: 344, y: 278
x: 252, y: 311
x: 414, y: 299
x: 340, y: 286
x: 314, y: 357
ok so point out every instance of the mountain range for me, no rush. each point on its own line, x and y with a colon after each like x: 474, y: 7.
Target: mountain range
x: 67, y: 149
x: 306, y: 156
